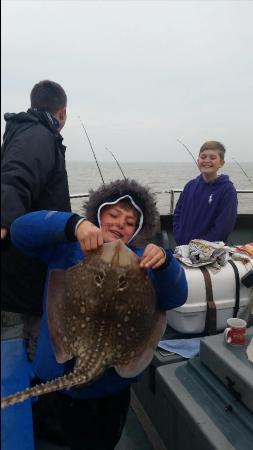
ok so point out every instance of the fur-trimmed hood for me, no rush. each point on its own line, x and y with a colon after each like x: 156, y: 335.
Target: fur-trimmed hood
x: 144, y: 199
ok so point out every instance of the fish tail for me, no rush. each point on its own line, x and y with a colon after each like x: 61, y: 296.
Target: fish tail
x: 66, y: 381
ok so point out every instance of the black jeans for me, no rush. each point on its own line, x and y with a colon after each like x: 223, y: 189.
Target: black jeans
x: 89, y: 424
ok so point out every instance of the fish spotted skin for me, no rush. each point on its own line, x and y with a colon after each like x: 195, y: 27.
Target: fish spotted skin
x: 103, y: 313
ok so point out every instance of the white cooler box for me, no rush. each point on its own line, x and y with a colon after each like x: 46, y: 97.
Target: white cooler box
x: 190, y: 318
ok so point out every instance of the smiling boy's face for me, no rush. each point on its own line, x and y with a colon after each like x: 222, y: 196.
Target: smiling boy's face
x: 209, y: 162
x: 118, y: 222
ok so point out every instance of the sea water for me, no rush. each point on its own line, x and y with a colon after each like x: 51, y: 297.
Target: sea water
x: 160, y: 177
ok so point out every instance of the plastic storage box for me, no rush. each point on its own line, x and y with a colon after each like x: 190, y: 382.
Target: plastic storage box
x: 231, y: 365
x: 197, y: 412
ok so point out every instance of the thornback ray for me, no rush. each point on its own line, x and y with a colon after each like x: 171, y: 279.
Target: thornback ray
x: 103, y: 313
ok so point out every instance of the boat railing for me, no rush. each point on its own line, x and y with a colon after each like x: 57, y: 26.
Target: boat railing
x: 171, y: 193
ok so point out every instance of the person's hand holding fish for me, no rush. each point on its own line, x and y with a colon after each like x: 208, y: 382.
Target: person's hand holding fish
x: 153, y: 257
x: 89, y: 236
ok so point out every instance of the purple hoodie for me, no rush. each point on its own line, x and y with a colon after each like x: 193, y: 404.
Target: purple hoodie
x: 205, y: 210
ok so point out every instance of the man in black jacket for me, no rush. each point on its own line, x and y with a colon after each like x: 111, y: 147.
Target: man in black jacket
x: 33, y: 178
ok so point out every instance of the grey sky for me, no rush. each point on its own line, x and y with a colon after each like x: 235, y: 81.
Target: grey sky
x: 141, y: 74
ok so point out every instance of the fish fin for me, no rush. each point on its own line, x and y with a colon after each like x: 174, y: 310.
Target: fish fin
x: 56, y: 296
x: 143, y: 357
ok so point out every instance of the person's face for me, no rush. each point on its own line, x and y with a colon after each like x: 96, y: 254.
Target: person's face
x: 209, y: 162
x: 117, y: 222
x: 62, y: 117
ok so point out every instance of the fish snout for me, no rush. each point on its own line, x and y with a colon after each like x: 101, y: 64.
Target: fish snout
x: 118, y: 254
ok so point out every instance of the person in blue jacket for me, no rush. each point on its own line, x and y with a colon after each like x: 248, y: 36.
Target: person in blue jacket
x: 207, y: 207
x: 93, y: 416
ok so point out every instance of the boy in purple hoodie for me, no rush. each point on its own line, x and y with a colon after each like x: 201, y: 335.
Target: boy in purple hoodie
x: 207, y: 207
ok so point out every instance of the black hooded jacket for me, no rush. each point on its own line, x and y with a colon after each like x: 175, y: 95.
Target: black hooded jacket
x: 33, y: 178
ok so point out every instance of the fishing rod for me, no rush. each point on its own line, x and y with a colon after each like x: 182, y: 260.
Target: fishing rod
x: 189, y: 151
x: 116, y: 162
x: 248, y: 178
x: 91, y: 149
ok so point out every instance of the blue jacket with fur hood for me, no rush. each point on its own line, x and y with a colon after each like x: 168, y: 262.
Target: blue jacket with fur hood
x: 43, y: 235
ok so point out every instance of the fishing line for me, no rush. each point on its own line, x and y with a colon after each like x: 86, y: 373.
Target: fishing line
x: 248, y: 178
x: 91, y: 149
x: 116, y: 162
x: 189, y: 151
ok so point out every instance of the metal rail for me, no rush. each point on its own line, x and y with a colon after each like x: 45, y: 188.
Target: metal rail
x: 171, y: 192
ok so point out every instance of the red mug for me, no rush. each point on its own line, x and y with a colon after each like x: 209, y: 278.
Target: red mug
x: 235, y: 333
